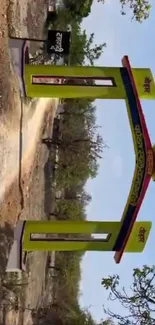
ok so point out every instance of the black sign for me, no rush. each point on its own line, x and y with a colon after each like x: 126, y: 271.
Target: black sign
x: 58, y: 42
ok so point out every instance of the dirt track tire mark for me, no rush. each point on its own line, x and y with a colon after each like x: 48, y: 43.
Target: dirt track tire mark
x: 20, y: 159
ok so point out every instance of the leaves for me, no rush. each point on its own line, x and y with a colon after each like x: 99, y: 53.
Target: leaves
x: 140, y: 8
x: 93, y: 52
x: 110, y: 282
x: 83, y: 47
x: 80, y: 8
x: 70, y: 209
x: 80, y: 146
x: 109, y: 321
x: 139, y: 301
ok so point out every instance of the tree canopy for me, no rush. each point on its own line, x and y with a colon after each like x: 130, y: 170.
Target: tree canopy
x: 80, y: 8
x: 80, y: 145
x: 140, y: 8
x: 138, y: 301
x: 82, y: 46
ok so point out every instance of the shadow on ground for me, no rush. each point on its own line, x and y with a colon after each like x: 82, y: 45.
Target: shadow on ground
x: 36, y: 13
x: 49, y: 193
x: 45, y: 316
x: 6, y: 239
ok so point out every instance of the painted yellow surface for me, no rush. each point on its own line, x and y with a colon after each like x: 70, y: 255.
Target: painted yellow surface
x: 66, y: 91
x: 143, y: 78
x: 69, y: 227
x: 136, y: 242
x: 146, y: 90
x: 140, y: 165
x: 145, y: 83
x: 139, y: 236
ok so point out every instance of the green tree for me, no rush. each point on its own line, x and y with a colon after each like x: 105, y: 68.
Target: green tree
x: 81, y: 317
x: 80, y: 8
x: 73, y: 168
x: 83, y: 47
x: 64, y: 17
x: 80, y: 145
x: 80, y: 159
x: 73, y: 193
x: 83, y: 111
x: 79, y: 107
x: 138, y: 302
x: 140, y: 8
x: 93, y: 51
x: 71, y: 210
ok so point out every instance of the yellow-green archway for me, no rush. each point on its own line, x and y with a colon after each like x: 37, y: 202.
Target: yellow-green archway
x: 107, y: 83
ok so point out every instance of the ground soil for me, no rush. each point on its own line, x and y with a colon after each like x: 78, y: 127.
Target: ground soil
x: 25, y: 191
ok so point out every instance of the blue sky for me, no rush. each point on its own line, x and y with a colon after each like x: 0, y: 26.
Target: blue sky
x: 111, y: 187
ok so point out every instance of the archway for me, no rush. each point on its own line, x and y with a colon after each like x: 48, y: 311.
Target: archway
x: 96, y: 82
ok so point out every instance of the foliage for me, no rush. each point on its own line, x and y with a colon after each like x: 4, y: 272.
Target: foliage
x: 64, y: 17
x: 70, y: 209
x: 81, y: 317
x: 77, y: 10
x: 66, y: 288
x: 138, y: 302
x: 140, y: 8
x: 109, y: 321
x: 83, y: 47
x: 80, y: 146
x: 93, y: 52
x: 80, y: 8
x: 12, y: 293
x: 79, y: 158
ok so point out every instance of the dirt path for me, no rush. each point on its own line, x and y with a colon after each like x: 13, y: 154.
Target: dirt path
x: 34, y: 191
x: 17, y: 142
x: 22, y: 156
x: 21, y: 143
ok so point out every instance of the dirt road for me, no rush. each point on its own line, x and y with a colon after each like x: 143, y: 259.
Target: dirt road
x: 22, y: 156
x: 19, y: 146
x: 35, y: 156
x: 19, y: 123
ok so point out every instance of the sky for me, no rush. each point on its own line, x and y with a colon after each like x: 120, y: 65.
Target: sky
x: 111, y: 187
